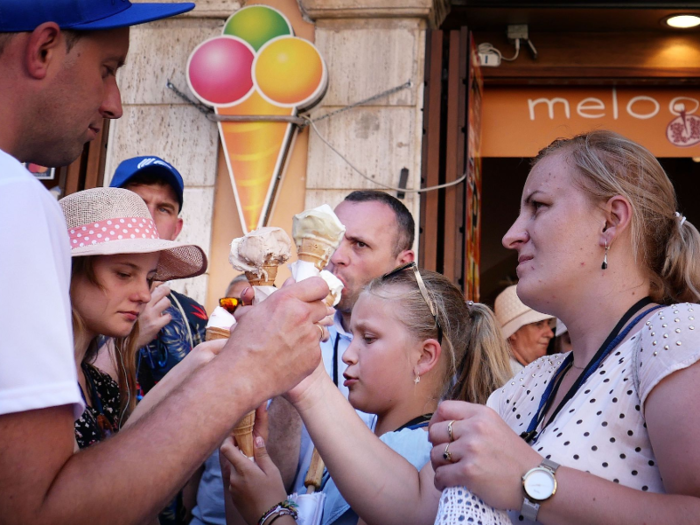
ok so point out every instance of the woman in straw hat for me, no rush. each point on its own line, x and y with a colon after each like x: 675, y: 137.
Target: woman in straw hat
x: 117, y: 254
x: 415, y: 342
x: 528, y: 332
x: 607, y: 433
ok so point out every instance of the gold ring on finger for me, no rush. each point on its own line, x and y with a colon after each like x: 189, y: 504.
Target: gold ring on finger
x: 323, y: 334
x: 447, y: 455
x: 449, y: 431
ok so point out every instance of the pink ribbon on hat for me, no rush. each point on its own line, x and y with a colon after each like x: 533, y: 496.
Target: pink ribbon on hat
x: 119, y: 229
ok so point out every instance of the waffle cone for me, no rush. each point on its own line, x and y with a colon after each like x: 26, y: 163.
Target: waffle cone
x: 255, y: 280
x: 217, y: 333
x: 243, y: 433
x: 316, y: 251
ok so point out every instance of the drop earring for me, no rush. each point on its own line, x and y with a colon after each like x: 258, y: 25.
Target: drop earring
x: 416, y: 380
x: 604, y: 266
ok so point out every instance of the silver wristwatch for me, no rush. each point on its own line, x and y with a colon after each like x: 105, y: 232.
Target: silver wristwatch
x: 539, y: 484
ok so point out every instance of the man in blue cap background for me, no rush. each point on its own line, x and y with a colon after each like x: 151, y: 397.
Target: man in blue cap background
x: 171, y: 323
x: 58, y: 64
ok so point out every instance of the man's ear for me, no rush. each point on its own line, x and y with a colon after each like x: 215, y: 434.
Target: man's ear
x: 404, y: 257
x: 618, y: 218
x: 429, y: 357
x: 45, y: 43
x: 178, y: 228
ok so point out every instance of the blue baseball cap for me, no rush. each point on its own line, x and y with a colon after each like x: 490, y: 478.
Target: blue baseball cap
x: 82, y: 15
x: 129, y: 168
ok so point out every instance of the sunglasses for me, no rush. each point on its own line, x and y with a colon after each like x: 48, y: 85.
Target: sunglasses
x: 230, y: 303
x: 423, y: 292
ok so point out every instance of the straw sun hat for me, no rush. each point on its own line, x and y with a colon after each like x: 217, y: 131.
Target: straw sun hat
x: 111, y: 221
x: 512, y: 314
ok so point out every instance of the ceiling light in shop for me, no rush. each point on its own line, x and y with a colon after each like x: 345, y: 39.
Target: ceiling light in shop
x: 683, y: 21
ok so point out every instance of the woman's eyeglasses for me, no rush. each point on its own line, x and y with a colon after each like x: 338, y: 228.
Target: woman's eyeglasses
x: 423, y: 292
x: 230, y: 303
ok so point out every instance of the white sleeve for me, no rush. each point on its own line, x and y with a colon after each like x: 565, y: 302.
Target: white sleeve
x: 37, y: 364
x: 670, y: 341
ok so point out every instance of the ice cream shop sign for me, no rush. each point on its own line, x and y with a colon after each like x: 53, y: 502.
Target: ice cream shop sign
x: 519, y: 122
x: 259, y: 71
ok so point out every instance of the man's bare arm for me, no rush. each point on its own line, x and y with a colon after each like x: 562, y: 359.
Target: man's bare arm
x: 131, y: 476
x: 284, y: 439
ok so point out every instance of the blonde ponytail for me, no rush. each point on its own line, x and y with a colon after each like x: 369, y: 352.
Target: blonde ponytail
x: 486, y: 364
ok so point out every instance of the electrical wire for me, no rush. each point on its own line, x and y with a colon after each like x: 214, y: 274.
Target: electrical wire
x: 394, y: 188
x: 489, y: 48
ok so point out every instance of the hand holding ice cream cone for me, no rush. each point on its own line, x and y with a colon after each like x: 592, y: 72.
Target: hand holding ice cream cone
x: 317, y: 234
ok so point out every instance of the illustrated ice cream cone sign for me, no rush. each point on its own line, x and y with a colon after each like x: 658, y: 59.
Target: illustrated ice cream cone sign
x: 257, y: 67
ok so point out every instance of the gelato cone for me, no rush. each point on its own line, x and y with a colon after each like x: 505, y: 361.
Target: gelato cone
x: 258, y: 254
x: 243, y: 432
x: 220, y: 323
x: 266, y: 278
x: 217, y: 333
x: 317, y: 233
x: 244, y: 429
x: 255, y: 154
x: 260, y: 250
x: 316, y: 251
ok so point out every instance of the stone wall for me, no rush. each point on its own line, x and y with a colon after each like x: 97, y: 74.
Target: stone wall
x: 370, y: 46
x: 157, y: 122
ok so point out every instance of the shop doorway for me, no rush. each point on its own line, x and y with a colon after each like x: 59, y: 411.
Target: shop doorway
x: 502, y: 184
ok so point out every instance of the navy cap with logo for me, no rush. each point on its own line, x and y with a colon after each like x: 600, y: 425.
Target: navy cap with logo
x: 149, y: 165
x: 82, y: 15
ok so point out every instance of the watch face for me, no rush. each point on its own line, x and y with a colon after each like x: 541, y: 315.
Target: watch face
x: 539, y: 484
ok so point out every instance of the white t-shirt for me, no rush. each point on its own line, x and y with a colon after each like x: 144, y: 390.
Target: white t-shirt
x: 37, y: 364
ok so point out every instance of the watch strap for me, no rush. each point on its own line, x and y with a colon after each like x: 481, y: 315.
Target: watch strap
x: 530, y: 509
x: 548, y: 463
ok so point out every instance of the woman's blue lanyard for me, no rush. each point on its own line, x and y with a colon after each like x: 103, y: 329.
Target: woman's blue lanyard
x: 613, y: 339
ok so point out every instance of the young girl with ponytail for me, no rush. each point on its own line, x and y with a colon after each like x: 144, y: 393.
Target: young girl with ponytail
x: 415, y: 342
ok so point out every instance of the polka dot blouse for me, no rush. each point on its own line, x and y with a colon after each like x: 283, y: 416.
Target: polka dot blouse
x: 601, y: 430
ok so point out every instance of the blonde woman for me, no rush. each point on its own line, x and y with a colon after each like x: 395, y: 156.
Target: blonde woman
x: 415, y: 342
x: 116, y: 256
x: 608, y: 432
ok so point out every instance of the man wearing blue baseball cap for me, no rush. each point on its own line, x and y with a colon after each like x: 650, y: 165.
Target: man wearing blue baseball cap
x: 58, y: 63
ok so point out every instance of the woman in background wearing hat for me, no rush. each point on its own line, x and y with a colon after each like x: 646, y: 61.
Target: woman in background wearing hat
x: 528, y: 332
x: 607, y: 433
x: 117, y: 254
